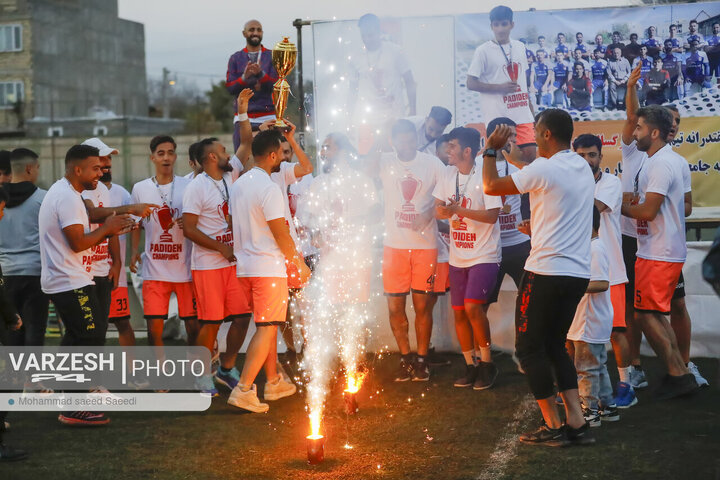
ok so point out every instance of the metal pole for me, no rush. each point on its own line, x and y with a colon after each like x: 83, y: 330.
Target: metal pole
x: 298, y: 23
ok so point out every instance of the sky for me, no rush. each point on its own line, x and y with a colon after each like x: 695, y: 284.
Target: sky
x: 194, y: 41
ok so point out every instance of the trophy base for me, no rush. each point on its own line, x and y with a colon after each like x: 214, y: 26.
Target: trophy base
x: 280, y: 124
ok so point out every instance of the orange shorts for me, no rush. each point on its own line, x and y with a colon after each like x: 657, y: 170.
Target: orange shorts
x: 267, y: 299
x: 156, y: 298
x: 617, y: 297
x: 348, y: 287
x: 655, y: 283
x: 119, y: 305
x: 219, y: 296
x: 408, y: 270
x: 525, y: 134
x: 442, y: 278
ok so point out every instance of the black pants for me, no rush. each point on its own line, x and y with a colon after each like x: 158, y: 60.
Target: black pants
x: 103, y: 290
x: 513, y: 264
x: 545, y: 310
x: 32, y: 305
x: 82, y: 317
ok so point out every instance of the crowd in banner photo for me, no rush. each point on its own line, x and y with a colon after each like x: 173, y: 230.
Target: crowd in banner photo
x: 260, y: 233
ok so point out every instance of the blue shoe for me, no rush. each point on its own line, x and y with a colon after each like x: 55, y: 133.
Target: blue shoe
x: 206, y: 386
x: 637, y: 378
x: 625, y: 396
x: 227, y: 378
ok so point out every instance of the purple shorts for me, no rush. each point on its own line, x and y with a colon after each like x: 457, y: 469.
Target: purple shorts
x: 472, y: 284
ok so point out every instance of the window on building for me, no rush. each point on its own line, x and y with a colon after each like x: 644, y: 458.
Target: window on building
x: 10, y: 38
x: 11, y: 92
x: 100, y: 131
x: 55, y: 131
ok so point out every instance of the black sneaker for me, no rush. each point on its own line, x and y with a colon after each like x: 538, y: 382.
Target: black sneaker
x: 579, y: 436
x: 10, y: 454
x: 487, y: 373
x: 421, y: 371
x: 404, y: 372
x: 609, y: 414
x: 549, y: 437
x: 83, y: 419
x: 437, y: 360
x: 672, y: 387
x: 468, y: 379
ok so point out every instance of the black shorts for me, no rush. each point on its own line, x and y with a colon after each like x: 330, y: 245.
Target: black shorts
x: 513, y: 264
x: 80, y: 313
x: 103, y: 290
x: 679, y: 288
x: 629, y: 250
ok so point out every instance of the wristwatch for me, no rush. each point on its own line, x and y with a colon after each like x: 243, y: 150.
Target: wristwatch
x: 490, y: 152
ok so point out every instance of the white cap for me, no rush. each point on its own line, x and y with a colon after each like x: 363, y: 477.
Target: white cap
x: 100, y: 145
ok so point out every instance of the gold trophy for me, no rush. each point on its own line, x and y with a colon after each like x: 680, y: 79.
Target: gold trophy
x: 284, y: 56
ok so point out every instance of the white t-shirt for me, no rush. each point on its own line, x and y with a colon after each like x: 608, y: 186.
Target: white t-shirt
x: 490, y: 65
x: 472, y: 242
x: 561, y: 198
x: 380, y: 80
x: 594, y: 315
x: 296, y: 195
x: 632, y: 160
x: 283, y: 179
x: 190, y: 176
x: 209, y: 200
x: 257, y: 200
x: 408, y: 188
x: 237, y: 167
x: 62, y: 269
x: 167, y: 252
x: 337, y: 205
x: 608, y: 190
x: 663, y: 238
x: 509, y: 234
x: 120, y: 197
x: 100, y: 197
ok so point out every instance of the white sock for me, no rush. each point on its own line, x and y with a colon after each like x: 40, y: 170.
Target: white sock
x: 469, y: 360
x: 486, y: 354
x: 625, y: 374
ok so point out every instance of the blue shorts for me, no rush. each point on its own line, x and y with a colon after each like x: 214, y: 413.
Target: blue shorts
x: 472, y: 284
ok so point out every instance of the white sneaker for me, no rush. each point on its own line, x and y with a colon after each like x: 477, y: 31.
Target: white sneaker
x: 637, y: 378
x: 278, y: 389
x: 696, y: 373
x: 247, y: 400
x: 282, y: 372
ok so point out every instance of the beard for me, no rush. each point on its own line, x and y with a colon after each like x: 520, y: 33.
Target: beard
x: 226, y: 168
x: 643, y: 144
x: 89, y: 185
x: 254, y: 41
x: 594, y: 169
x: 106, y: 177
x: 275, y: 168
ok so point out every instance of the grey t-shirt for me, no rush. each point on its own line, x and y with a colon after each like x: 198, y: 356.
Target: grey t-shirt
x: 20, y: 239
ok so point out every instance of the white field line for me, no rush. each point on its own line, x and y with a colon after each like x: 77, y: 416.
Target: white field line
x: 508, y: 442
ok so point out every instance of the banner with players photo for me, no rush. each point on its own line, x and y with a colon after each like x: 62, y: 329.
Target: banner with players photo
x: 678, y: 46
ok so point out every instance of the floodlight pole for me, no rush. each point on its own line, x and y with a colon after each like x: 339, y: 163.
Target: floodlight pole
x: 298, y: 23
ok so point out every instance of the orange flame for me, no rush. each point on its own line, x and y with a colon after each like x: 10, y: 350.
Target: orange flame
x: 354, y: 381
x: 315, y: 417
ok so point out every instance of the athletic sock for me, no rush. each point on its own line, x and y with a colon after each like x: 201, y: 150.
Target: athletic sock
x: 422, y: 358
x: 486, y: 354
x: 469, y: 360
x: 624, y: 374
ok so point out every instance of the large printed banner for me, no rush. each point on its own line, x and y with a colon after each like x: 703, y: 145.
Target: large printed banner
x: 698, y: 141
x: 690, y: 69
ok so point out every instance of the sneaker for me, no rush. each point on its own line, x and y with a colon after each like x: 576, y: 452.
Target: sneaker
x: 282, y: 371
x: 227, y: 378
x: 280, y: 388
x: 468, y: 379
x: 487, y: 373
x: 206, y: 386
x: 592, y: 418
x: 551, y: 437
x: 404, y: 372
x: 420, y: 371
x: 83, y: 419
x: 10, y: 454
x: 609, y: 413
x: 579, y: 436
x: 637, y: 378
x: 625, y: 397
x: 698, y: 378
x: 247, y: 400
x: 672, y: 387
x: 437, y: 360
